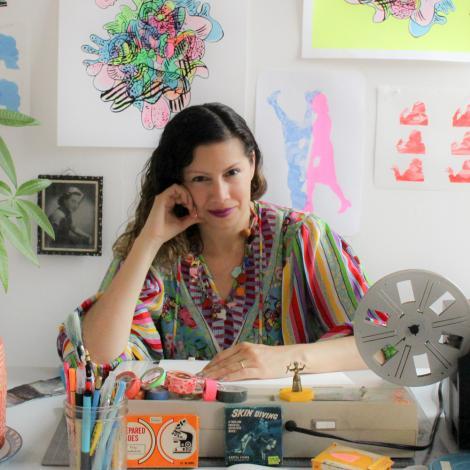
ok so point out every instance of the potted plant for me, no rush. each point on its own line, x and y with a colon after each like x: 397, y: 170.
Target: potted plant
x: 17, y: 216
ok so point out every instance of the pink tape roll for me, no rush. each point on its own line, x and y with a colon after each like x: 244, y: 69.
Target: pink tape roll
x: 210, y: 390
x: 180, y: 382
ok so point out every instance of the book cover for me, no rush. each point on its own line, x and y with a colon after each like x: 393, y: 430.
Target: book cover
x: 253, y: 434
x: 162, y: 441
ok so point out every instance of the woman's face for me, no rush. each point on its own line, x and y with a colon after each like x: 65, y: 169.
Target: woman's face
x: 219, y: 180
x: 73, y: 202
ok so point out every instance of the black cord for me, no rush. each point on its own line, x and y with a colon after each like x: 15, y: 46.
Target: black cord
x: 292, y: 427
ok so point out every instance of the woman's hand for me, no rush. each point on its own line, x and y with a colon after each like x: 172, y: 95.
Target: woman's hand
x: 249, y: 361
x: 163, y: 224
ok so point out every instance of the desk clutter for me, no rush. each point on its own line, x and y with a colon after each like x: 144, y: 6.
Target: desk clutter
x: 142, y: 415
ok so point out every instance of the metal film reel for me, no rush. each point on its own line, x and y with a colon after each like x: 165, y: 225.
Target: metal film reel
x: 412, y: 326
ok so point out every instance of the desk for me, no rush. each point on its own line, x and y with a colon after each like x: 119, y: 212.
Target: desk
x: 37, y: 420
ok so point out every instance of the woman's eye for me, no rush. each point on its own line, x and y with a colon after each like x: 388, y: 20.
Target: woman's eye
x: 233, y: 172
x: 198, y: 179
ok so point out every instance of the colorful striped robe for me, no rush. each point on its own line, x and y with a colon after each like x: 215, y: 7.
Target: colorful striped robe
x: 301, y: 282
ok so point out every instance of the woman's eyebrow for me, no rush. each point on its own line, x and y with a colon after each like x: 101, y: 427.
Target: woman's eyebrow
x: 205, y: 173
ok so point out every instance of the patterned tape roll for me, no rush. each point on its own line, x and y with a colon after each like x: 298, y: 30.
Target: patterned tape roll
x: 153, y: 378
x: 158, y: 393
x: 231, y: 393
x: 132, y: 383
x: 210, y: 390
x: 180, y: 382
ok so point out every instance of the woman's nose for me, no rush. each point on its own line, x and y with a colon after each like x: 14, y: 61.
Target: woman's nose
x: 220, y: 190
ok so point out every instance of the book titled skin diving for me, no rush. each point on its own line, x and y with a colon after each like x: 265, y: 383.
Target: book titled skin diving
x: 253, y: 434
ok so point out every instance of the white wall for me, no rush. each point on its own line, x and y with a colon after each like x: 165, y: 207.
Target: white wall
x: 399, y: 229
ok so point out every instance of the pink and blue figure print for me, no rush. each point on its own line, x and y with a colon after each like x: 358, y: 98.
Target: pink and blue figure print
x: 309, y: 152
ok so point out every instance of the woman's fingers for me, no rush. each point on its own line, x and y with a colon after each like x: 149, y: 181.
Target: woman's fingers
x: 241, y: 362
x: 235, y: 366
x: 182, y: 196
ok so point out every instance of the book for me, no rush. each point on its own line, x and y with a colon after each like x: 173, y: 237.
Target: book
x: 253, y: 434
x: 162, y: 441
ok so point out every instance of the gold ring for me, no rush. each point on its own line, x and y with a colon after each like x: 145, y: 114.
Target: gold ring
x: 242, y: 364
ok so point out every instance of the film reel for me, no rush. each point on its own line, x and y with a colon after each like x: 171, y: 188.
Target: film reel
x: 412, y: 326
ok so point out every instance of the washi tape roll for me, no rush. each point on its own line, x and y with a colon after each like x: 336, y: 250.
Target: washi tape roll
x: 180, y: 382
x: 140, y: 395
x: 153, y: 378
x: 132, y: 383
x: 210, y: 390
x: 231, y: 393
x: 158, y: 393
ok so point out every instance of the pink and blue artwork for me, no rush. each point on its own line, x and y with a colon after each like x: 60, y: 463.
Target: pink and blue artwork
x: 309, y: 166
x: 310, y: 133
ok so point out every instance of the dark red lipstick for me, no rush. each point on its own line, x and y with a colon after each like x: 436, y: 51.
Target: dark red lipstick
x: 222, y: 213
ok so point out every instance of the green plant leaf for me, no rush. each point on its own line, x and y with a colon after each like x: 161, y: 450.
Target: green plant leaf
x: 3, y: 264
x: 24, y: 221
x: 32, y: 187
x: 6, y: 162
x: 18, y: 238
x: 38, y: 215
x: 5, y: 189
x: 8, y: 210
x: 16, y: 119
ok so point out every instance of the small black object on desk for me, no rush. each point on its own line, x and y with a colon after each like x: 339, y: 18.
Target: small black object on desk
x: 457, y: 404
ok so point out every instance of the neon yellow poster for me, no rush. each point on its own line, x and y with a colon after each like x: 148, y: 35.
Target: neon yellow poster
x: 387, y: 29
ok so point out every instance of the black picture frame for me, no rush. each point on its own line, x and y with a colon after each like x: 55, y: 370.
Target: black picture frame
x: 74, y: 206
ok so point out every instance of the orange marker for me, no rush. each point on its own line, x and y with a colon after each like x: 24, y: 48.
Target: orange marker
x: 72, y: 385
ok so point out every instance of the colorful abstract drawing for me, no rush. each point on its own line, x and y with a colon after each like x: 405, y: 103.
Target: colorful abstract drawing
x: 463, y: 147
x: 414, y: 172
x: 315, y: 134
x: 386, y: 29
x: 8, y: 51
x: 461, y: 118
x: 463, y: 176
x: 421, y: 15
x: 416, y: 116
x: 413, y: 145
x: 151, y: 56
x: 9, y: 95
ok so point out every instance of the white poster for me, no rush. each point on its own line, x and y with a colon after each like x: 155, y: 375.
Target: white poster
x: 309, y: 125
x: 422, y: 138
x: 125, y: 67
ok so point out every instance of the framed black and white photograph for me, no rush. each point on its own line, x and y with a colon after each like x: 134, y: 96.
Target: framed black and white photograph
x: 73, y: 205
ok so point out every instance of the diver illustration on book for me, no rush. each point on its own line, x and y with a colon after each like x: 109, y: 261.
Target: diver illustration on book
x: 253, y: 434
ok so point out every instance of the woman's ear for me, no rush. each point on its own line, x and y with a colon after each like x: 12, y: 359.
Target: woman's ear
x: 252, y: 159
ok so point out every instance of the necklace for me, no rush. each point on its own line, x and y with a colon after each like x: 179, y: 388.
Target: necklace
x: 216, y: 305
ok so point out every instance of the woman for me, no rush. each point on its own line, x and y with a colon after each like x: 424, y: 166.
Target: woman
x: 66, y: 232
x: 219, y: 274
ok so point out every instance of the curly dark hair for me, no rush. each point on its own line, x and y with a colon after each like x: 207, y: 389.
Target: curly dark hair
x: 196, y: 125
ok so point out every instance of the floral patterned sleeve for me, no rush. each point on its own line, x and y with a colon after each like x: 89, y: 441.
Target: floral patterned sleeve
x: 144, y: 340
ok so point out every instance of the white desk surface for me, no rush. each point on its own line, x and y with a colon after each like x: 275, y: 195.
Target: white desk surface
x: 37, y: 420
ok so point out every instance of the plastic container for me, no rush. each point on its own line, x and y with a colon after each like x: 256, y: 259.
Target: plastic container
x: 97, y: 437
